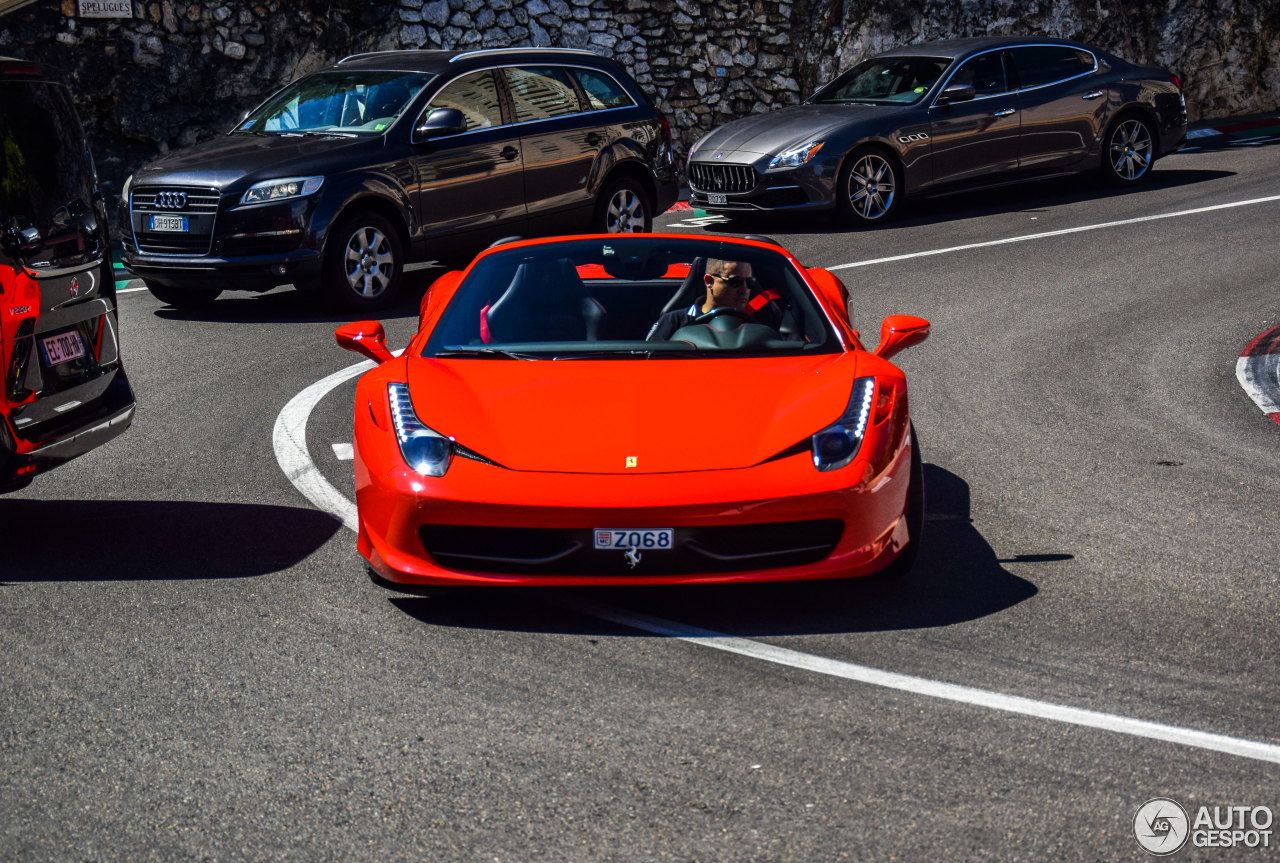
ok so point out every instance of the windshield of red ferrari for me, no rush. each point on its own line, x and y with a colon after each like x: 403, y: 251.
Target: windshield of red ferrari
x: 636, y: 296
x: 885, y: 81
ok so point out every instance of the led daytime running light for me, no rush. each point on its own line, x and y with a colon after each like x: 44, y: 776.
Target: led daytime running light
x: 424, y: 450
x: 837, y: 444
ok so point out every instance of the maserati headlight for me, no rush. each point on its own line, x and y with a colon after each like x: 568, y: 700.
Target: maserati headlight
x: 279, y: 190
x: 837, y: 444
x: 796, y: 156
x: 426, y: 451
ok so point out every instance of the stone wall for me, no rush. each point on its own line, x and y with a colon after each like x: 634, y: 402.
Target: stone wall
x: 178, y: 72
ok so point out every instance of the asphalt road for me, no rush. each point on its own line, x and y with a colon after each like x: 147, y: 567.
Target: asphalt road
x: 194, y: 666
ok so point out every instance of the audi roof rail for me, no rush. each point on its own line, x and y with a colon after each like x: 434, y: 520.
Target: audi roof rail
x: 380, y: 53
x: 519, y: 49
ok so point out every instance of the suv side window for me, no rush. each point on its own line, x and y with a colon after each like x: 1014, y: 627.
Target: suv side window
x: 540, y: 93
x: 1044, y: 64
x: 601, y: 90
x: 985, y: 72
x: 475, y: 95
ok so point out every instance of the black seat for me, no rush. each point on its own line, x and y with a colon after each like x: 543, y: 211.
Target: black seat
x: 545, y: 302
x: 691, y: 289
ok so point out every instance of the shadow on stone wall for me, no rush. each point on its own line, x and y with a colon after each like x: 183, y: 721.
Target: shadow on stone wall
x: 180, y: 72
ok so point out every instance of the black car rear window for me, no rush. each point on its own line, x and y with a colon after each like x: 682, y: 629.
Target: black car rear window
x: 47, y: 218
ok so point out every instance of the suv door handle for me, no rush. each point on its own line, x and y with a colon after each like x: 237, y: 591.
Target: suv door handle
x: 509, y: 152
x: 1092, y: 94
x: 1003, y: 112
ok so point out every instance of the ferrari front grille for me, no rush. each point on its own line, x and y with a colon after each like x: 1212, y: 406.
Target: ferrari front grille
x: 570, y: 551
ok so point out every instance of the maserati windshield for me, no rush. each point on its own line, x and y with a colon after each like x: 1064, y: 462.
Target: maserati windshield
x: 884, y: 81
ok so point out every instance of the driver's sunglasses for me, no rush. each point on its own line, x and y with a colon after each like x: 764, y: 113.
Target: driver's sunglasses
x: 731, y: 281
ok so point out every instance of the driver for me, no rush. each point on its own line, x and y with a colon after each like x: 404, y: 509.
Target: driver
x: 728, y: 287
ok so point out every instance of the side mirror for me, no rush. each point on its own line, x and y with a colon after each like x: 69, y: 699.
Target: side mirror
x: 366, y: 338
x: 440, y: 122
x: 833, y: 291
x: 957, y: 93
x: 899, y: 332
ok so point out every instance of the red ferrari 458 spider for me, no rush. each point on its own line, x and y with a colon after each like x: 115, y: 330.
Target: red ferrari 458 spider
x: 635, y: 409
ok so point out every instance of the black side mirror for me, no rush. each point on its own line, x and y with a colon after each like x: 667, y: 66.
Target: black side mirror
x: 957, y: 93
x: 440, y: 122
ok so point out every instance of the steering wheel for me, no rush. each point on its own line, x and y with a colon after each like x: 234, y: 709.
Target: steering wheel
x: 707, y: 317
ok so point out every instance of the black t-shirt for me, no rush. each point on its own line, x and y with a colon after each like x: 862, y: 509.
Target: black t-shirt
x: 671, y: 321
x: 768, y: 314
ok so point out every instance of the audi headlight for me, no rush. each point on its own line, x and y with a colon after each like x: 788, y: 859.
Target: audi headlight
x: 280, y: 190
x: 124, y: 190
x: 426, y: 451
x: 796, y: 156
x: 837, y: 444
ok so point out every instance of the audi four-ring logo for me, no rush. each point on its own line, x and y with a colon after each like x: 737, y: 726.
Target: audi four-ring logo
x: 171, y: 200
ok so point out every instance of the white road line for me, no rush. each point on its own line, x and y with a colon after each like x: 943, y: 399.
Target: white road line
x: 1024, y: 238
x: 932, y: 688
x: 129, y: 290
x: 289, y: 441
x: 344, y: 451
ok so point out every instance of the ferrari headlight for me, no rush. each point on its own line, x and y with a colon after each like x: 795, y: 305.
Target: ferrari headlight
x: 279, y: 190
x: 837, y: 444
x: 796, y: 156
x: 424, y: 450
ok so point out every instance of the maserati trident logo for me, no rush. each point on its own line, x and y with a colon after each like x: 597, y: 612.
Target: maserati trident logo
x: 633, y: 557
x: 171, y: 200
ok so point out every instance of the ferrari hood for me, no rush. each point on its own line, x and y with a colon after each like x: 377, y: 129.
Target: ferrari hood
x: 631, y: 416
x: 772, y: 133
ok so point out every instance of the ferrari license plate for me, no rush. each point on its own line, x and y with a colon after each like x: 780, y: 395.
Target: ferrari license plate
x: 656, y: 538
x: 63, y: 347
x: 169, y: 223
x: 717, y: 199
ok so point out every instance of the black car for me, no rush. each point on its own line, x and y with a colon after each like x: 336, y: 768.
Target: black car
x: 943, y: 117
x: 342, y: 176
x: 65, y: 390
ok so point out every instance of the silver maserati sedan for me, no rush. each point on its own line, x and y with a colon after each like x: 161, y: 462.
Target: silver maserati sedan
x: 940, y: 117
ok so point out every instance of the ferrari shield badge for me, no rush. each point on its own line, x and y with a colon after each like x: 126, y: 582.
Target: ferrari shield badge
x: 631, y: 461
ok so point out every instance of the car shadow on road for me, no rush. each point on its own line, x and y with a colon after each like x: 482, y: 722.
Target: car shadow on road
x: 956, y: 578
x: 109, y: 540
x: 1029, y: 196
x: 291, y: 306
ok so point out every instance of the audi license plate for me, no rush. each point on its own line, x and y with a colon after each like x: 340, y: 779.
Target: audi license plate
x: 63, y: 347
x: 169, y: 223
x: 717, y: 199
x: 655, y: 538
